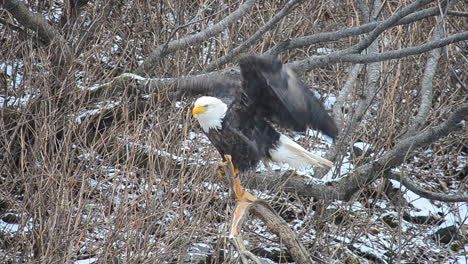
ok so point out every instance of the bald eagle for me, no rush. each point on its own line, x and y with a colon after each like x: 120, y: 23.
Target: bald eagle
x: 270, y: 94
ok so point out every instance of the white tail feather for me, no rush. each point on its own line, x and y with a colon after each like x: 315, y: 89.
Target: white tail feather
x: 293, y: 154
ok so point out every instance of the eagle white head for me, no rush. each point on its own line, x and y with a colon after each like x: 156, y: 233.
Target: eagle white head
x: 209, y: 111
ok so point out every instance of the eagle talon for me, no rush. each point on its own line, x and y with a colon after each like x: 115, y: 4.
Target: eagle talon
x: 228, y: 163
x: 221, y: 173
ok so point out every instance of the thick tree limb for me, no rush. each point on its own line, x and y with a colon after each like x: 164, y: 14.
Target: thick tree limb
x: 372, y: 84
x: 457, y: 13
x: 405, y: 181
x: 220, y: 83
x: 250, y: 41
x: 397, y: 154
x: 279, y: 226
x: 47, y: 33
x: 201, y: 36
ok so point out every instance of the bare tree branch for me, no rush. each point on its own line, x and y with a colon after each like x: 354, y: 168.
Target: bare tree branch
x: 87, y: 33
x: 246, y: 202
x: 249, y: 42
x: 457, y: 13
x: 426, y: 86
x: 366, y: 98
x: 405, y: 181
x: 338, y: 113
x: 387, y: 23
x: 342, y: 56
x: 348, y: 32
x: 45, y: 31
x: 398, y: 154
x: 365, y: 12
x: 201, y: 36
x: 279, y: 226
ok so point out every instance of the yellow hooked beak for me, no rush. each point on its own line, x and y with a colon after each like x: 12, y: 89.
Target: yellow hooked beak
x: 198, y: 109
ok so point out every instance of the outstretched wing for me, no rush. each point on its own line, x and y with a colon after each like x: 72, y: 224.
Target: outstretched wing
x: 280, y: 96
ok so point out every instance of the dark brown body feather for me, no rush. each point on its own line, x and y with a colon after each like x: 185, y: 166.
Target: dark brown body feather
x: 269, y: 93
x: 245, y: 135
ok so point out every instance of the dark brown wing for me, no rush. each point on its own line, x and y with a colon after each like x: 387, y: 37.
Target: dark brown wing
x: 281, y: 97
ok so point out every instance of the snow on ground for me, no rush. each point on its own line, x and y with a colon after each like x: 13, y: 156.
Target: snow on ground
x: 105, y: 105
x: 453, y: 214
x: 14, y: 79
x: 86, y: 261
x: 12, y: 101
x: 13, y: 73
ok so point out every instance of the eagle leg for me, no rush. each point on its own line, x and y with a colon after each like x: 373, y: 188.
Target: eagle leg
x: 228, y: 164
x: 243, y: 197
x: 240, y: 193
x: 220, y: 170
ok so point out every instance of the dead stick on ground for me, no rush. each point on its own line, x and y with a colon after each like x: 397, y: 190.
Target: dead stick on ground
x: 274, y: 222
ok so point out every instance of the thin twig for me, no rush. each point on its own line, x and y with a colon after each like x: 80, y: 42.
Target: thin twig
x: 257, y: 35
x: 201, y: 36
x: 45, y: 31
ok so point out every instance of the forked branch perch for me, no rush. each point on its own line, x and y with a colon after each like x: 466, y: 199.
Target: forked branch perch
x: 274, y: 222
